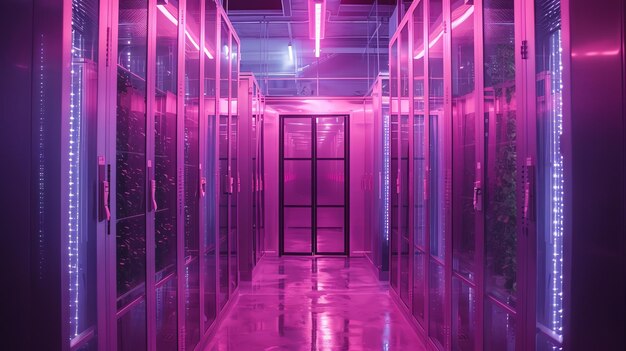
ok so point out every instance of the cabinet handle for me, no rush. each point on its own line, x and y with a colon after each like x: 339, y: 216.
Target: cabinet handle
x: 106, y: 191
x: 202, y: 186
x: 478, y: 196
x: 153, y: 195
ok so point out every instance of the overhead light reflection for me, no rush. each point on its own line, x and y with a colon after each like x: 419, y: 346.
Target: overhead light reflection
x: 457, y: 22
x: 173, y: 19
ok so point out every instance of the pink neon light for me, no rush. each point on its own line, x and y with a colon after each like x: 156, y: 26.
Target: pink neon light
x: 457, y: 22
x: 173, y: 19
x: 318, y: 28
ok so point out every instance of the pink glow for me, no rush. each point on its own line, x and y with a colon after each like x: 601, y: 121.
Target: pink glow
x: 318, y: 28
x: 457, y: 22
x: 173, y: 19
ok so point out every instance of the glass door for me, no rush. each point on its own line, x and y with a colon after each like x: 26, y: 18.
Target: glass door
x: 225, y: 179
x: 330, y: 185
x: 394, y: 173
x: 210, y: 176
x: 297, y: 185
x: 420, y: 164
x: 130, y: 186
x: 165, y: 176
x: 404, y: 168
x: 314, y: 206
x: 232, y: 52
x: 501, y: 124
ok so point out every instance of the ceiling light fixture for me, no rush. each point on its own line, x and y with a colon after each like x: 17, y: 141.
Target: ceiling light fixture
x: 290, y: 49
x: 317, y: 12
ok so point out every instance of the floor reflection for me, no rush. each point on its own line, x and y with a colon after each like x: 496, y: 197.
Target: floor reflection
x: 315, y: 304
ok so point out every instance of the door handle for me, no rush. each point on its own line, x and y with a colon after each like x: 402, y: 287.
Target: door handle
x: 478, y: 196
x: 202, y: 186
x: 105, y: 193
x: 105, y: 211
x: 153, y: 195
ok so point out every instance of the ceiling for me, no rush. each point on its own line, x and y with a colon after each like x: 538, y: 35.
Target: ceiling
x: 353, y: 51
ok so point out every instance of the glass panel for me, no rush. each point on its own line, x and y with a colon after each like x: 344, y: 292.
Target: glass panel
x: 210, y: 107
x: 436, y: 180
x: 464, y: 136
x: 546, y: 343
x: 394, y: 132
x: 464, y: 315
x: 330, y: 230
x: 131, y: 173
x: 297, y: 182
x: 331, y: 182
x: 419, y: 138
x: 419, y: 286
x: 499, y: 328
x: 166, y: 312
x: 233, y: 220
x: 131, y: 329
x: 297, y: 229
x: 165, y: 140
x: 330, y: 137
x: 436, y: 303
x: 192, y: 170
x: 297, y: 136
x: 82, y: 169
x: 224, y: 164
x: 500, y: 151
x: 192, y: 304
x: 550, y: 191
x: 210, y: 289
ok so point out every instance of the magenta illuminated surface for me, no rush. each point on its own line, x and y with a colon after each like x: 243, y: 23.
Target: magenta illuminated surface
x: 315, y: 304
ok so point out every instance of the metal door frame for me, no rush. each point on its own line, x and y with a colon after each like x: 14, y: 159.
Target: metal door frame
x: 314, y: 205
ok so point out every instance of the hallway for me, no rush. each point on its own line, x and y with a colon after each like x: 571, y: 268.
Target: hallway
x: 308, y: 303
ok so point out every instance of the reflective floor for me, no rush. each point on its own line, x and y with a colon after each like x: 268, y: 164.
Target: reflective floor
x: 315, y: 304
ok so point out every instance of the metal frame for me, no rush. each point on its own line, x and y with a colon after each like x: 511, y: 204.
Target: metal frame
x: 313, y: 158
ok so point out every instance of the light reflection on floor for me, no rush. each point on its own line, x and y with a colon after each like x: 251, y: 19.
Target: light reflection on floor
x: 315, y: 304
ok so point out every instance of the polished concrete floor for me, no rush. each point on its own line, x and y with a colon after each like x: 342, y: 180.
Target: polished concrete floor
x: 304, y: 303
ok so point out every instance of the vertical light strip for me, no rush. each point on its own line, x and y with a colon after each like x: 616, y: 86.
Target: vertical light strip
x: 556, y: 180
x: 74, y: 181
x: 386, y: 168
x: 290, y: 49
x: 318, y: 28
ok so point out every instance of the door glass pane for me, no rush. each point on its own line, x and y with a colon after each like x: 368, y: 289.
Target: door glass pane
x: 405, y: 127
x: 419, y: 285
x: 82, y: 166
x: 165, y: 111
x: 233, y: 220
x: 464, y: 136
x: 225, y: 182
x: 550, y: 175
x: 500, y: 151
x: 192, y: 171
x: 298, y: 226
x: 419, y: 138
x: 297, y: 182
x: 499, y: 328
x: 330, y: 182
x: 436, y: 303
x: 330, y: 137
x: 131, y: 173
x: 436, y: 132
x: 211, y: 166
x: 464, y: 315
x: 330, y: 229
x: 166, y: 321
x: 297, y: 137
x: 131, y: 328
x: 394, y: 148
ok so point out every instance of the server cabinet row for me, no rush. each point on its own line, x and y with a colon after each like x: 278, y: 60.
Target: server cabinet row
x: 150, y: 173
x: 476, y: 173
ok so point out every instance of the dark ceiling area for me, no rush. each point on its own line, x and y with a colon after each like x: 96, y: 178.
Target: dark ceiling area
x: 354, y: 48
